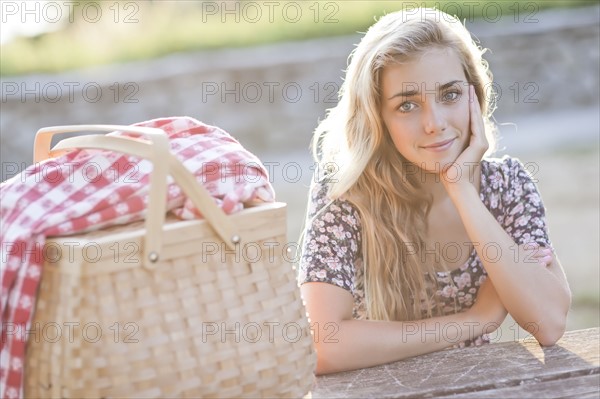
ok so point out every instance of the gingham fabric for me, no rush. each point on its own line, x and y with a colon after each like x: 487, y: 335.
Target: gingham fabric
x: 88, y: 189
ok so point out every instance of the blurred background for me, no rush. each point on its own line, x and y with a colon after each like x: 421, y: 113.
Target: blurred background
x: 266, y: 71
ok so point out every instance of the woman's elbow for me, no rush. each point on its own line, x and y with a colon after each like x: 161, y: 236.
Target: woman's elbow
x: 334, y: 355
x: 326, y: 359
x: 550, y: 336
x: 552, y: 331
x: 555, y: 328
x: 322, y: 368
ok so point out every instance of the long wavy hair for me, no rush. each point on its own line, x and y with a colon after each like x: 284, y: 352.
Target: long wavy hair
x: 372, y: 175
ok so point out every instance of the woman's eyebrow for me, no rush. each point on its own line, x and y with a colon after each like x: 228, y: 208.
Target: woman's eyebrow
x: 414, y: 90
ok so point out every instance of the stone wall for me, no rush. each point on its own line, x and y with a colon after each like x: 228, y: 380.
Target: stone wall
x: 271, y: 97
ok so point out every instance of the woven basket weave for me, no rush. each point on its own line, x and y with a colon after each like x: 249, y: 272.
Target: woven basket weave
x: 202, y: 321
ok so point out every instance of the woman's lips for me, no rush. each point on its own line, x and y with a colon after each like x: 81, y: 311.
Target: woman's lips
x: 439, y: 146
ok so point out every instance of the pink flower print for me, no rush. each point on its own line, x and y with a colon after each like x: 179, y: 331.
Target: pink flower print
x: 443, y: 277
x: 468, y: 300
x: 463, y: 280
x: 494, y: 201
x: 508, y: 197
x: 338, y: 232
x: 518, y: 233
x: 351, y: 220
x: 341, y: 252
x: 518, y: 191
x: 322, y: 238
x: 535, y: 199
x: 337, y: 282
x: 517, y: 209
x: 329, y: 217
x: 350, y: 284
x: 334, y: 264
x: 449, y: 291
x: 321, y: 274
x: 522, y: 220
x: 495, y: 180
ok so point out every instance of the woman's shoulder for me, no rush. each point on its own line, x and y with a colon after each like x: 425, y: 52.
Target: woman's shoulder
x: 505, y: 171
x: 504, y: 164
x: 322, y: 204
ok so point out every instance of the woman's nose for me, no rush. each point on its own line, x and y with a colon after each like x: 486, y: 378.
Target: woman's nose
x: 434, y: 120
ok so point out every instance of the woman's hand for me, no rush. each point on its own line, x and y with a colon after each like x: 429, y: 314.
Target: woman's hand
x: 488, y: 309
x: 533, y: 253
x: 460, y: 171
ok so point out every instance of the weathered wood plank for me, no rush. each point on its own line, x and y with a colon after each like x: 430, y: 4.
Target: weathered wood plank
x: 459, y: 371
x: 587, y: 386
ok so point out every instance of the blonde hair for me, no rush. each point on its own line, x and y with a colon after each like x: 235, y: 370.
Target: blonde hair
x: 372, y: 175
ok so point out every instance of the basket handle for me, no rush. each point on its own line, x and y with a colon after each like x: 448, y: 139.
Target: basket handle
x: 157, y: 151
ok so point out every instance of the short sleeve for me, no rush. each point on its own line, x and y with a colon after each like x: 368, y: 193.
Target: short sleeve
x: 331, y: 245
x: 524, y: 212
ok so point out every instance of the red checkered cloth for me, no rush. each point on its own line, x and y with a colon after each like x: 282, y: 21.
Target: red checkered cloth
x: 89, y: 189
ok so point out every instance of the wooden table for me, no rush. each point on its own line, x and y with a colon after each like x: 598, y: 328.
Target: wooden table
x: 518, y: 369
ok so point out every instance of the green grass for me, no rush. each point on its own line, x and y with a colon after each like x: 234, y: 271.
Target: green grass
x: 138, y: 30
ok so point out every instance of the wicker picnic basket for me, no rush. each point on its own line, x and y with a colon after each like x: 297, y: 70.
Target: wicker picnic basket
x: 168, y: 308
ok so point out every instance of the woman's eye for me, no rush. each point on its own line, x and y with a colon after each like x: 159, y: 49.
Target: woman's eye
x: 406, y: 107
x: 451, y: 96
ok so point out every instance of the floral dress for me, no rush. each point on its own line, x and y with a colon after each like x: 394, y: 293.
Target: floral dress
x: 332, y: 250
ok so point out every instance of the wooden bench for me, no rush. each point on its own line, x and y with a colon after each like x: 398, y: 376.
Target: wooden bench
x: 520, y: 369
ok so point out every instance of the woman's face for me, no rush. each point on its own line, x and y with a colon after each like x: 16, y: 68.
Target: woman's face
x: 425, y: 107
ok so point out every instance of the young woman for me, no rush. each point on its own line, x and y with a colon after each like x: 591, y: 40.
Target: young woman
x: 415, y: 240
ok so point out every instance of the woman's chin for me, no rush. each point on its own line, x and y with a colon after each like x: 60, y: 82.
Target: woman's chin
x: 437, y: 166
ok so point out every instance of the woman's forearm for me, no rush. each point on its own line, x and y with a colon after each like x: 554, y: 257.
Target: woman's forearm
x: 353, y: 344
x: 537, y: 297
